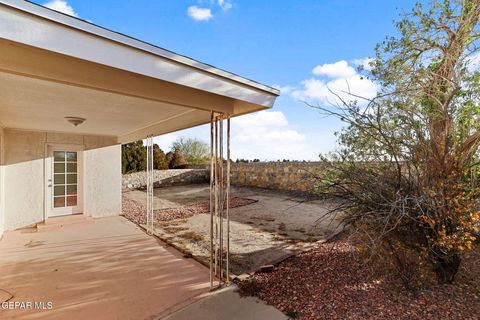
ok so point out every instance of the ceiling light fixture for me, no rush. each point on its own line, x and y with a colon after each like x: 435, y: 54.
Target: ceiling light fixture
x: 75, y: 120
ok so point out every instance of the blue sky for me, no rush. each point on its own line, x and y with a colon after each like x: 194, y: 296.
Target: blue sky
x: 304, y: 47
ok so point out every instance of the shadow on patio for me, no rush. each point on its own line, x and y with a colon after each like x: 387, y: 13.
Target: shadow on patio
x: 106, y: 270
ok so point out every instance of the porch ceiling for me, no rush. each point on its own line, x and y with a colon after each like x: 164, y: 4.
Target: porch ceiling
x: 35, y: 104
x: 53, y: 66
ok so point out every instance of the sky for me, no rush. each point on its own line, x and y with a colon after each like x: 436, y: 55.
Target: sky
x: 305, y: 48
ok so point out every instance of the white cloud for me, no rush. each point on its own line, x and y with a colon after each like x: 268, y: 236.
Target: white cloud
x: 339, y: 69
x: 225, y: 4
x: 283, y: 89
x: 266, y: 135
x: 200, y: 14
x: 340, y: 79
x: 365, y: 63
x: 61, y: 6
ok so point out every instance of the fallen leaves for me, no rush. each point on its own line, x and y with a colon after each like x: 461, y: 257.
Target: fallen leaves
x: 332, y: 282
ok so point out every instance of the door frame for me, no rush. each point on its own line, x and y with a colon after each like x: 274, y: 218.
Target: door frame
x: 48, y: 171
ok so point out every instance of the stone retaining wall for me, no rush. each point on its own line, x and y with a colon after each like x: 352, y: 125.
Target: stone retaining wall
x: 290, y: 176
x: 162, y: 178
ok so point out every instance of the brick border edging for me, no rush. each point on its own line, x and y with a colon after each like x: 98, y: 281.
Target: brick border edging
x: 289, y: 255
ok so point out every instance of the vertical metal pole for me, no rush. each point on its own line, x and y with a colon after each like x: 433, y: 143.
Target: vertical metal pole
x: 216, y: 196
x: 151, y: 184
x: 149, y: 226
x: 212, y: 168
x: 148, y: 186
x: 220, y: 171
x: 148, y: 191
x: 228, y: 200
x: 219, y: 199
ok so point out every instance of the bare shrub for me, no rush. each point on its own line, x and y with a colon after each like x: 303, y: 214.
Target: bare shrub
x: 409, y: 159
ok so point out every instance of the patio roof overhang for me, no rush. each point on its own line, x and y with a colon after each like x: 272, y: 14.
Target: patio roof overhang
x: 53, y: 66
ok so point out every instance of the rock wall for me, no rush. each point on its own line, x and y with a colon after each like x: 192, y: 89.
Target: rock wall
x: 290, y: 176
x: 163, y: 178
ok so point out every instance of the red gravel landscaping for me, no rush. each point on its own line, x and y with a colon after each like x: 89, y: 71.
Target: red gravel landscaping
x: 331, y: 282
x: 136, y: 212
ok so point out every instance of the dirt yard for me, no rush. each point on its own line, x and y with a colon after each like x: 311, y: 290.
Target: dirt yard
x: 265, y: 226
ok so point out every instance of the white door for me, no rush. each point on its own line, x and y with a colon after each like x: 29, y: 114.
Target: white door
x: 64, y: 181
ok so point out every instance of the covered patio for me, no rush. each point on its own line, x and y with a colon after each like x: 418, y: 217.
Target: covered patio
x: 102, y: 269
x: 72, y: 93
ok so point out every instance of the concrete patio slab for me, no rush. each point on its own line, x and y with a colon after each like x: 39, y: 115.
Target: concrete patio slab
x: 227, y: 304
x: 108, y: 269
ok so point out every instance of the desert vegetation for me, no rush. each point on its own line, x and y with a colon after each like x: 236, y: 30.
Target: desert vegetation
x: 409, y: 161
x: 183, y: 151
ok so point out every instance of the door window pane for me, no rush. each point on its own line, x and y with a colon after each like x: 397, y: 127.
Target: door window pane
x: 59, y: 202
x: 59, y: 191
x: 65, y: 179
x: 72, y: 167
x: 71, y: 178
x: 59, y: 179
x: 71, y: 201
x: 59, y: 167
x: 71, y: 156
x: 72, y: 189
x: 59, y: 155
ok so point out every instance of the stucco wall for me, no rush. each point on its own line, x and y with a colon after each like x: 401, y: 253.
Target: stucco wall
x: 24, y: 178
x: 24, y: 166
x: 103, y: 181
x: 290, y: 176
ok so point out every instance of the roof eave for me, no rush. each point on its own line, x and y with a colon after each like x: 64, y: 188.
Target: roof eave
x: 98, y: 31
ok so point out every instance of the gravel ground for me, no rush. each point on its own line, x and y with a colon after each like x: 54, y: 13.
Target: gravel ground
x: 331, y: 282
x: 250, y: 248
x: 290, y: 216
x: 135, y: 211
x: 265, y: 225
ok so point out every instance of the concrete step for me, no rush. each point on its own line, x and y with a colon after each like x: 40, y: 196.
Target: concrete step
x: 64, y: 222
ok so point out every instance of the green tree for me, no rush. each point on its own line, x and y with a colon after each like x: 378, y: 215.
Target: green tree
x: 169, y: 157
x: 159, y: 158
x: 408, y: 161
x: 134, y: 157
x: 177, y: 160
x: 195, y: 151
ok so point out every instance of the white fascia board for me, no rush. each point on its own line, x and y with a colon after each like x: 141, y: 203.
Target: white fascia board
x: 37, y: 26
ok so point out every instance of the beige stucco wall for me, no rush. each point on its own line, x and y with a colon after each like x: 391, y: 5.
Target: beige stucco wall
x: 24, y: 176
x: 23, y: 180
x: 103, y: 181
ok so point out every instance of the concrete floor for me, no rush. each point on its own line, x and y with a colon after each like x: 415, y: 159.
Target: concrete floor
x: 105, y: 269
x: 227, y: 304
